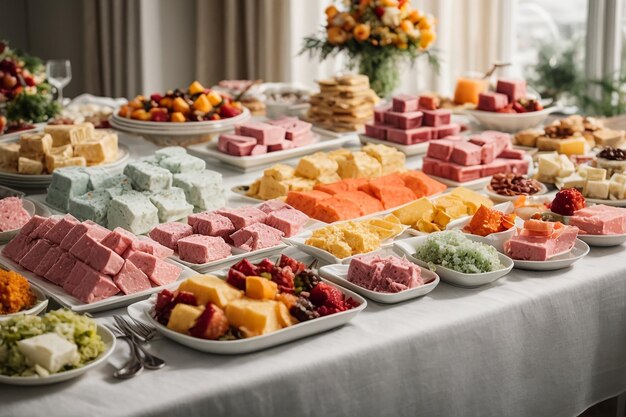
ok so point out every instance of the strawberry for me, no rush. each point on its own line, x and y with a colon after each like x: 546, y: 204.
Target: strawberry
x: 237, y: 279
x: 212, y: 323
x: 325, y: 295
x: 246, y: 268
x: 264, y: 266
x: 295, y: 266
x: 228, y: 110
x: 185, y: 297
x: 284, y: 277
x: 156, y: 97
x: 567, y: 201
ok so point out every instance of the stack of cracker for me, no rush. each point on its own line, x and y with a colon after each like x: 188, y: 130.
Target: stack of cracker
x: 344, y: 103
x: 59, y: 146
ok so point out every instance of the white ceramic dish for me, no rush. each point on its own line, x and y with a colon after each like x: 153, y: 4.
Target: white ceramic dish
x: 603, y: 240
x: 250, y: 162
x: 510, y: 122
x: 495, y: 239
x: 407, y: 248
x: 66, y: 300
x: 409, y: 150
x: 13, y: 179
x: 498, y: 198
x: 338, y: 274
x: 29, y: 206
x: 580, y: 250
x: 141, y: 311
x: 107, y: 337
x: 40, y: 305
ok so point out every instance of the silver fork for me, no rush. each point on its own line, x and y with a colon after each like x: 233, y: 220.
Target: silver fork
x: 150, y: 361
x: 142, y: 331
x: 134, y: 366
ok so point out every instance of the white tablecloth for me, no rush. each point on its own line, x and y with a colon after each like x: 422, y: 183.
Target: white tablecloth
x: 531, y: 344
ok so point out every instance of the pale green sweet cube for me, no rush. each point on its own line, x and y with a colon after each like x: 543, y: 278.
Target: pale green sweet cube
x: 172, y: 204
x: 147, y: 177
x: 91, y: 206
x: 132, y: 211
x: 204, y: 190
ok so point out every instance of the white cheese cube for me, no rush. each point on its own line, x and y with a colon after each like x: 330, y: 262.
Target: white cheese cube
x: 567, y: 166
x: 597, y: 189
x: 572, y: 181
x: 549, y: 166
x: 596, y: 174
x: 49, y: 351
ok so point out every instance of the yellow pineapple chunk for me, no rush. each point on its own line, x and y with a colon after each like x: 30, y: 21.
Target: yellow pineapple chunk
x: 210, y: 288
x: 261, y: 288
x: 183, y: 317
x: 253, y: 317
x: 195, y: 88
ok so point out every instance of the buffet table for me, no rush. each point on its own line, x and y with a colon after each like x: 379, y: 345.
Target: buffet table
x: 531, y: 344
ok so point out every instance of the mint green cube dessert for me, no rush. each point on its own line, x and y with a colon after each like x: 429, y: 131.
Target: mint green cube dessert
x: 132, y: 211
x: 172, y: 204
x: 204, y: 189
x: 182, y: 163
x: 100, y: 178
x: 66, y: 183
x: 147, y: 177
x: 91, y: 206
x: 170, y: 151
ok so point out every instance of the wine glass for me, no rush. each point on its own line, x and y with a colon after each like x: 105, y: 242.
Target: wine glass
x: 59, y: 73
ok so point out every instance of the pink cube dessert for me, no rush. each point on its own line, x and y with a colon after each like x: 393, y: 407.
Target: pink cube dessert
x: 513, y: 89
x: 61, y: 269
x: 387, y: 275
x: 260, y: 149
x: 428, y: 103
x: 92, y: 229
x: 12, y: 214
x: 379, y: 114
x: 408, y: 120
x: 444, y: 131
x: 503, y: 140
x: 61, y: 229
x: 430, y: 166
x: 492, y: 101
x: 440, y: 149
x: 104, y: 260
x: 240, y: 148
x: 540, y: 248
x: 462, y: 173
x: 600, y: 220
x: 118, y: 240
x: 158, y: 271
x: 48, y: 261
x: 284, y: 145
x: 404, y: 103
x: 211, y: 224
x: 270, y: 206
x: 288, y: 221
x: 31, y: 260
x: 256, y: 236
x: 293, y: 126
x: 488, y: 153
x: 44, y: 228
x: 82, y: 248
x: 17, y: 247
x: 264, y: 133
x: 437, y: 117
x: 76, y: 275
x: 301, y: 140
x: 32, y: 224
x: 227, y: 138
x: 410, y: 136
x: 200, y: 249
x: 168, y: 234
x: 512, y: 154
x: 95, y: 287
x: 131, y: 279
x: 147, y: 245
x: 516, y: 166
x: 466, y: 153
x: 376, y: 131
x: 243, y: 216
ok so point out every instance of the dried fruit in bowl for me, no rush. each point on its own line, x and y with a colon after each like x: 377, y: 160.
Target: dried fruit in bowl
x: 487, y: 221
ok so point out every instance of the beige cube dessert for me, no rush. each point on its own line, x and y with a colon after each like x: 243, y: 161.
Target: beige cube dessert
x: 102, y: 148
x: 608, y: 137
x: 59, y: 161
x: 29, y: 166
x: 65, y: 151
x: 35, y: 144
x: 9, y: 154
x: 69, y: 134
x: 390, y: 159
x: 280, y: 172
x: 316, y: 165
x: 271, y: 188
x: 360, y: 165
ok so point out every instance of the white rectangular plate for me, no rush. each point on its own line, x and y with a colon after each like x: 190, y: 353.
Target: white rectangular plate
x: 409, y: 150
x: 141, y: 311
x: 66, y: 300
x: 338, y: 273
x: 249, y: 162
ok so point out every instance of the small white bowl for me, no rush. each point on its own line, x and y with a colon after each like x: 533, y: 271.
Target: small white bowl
x: 29, y: 206
x: 495, y: 239
x: 499, y: 198
x: 408, y: 247
x: 603, y: 240
x: 38, y: 307
x: 579, y: 251
x: 338, y: 274
x: 510, y: 122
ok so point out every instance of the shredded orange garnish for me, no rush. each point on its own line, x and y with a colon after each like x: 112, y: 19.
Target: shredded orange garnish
x: 15, y: 293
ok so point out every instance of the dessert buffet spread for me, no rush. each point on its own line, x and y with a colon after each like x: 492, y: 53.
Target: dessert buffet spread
x: 510, y: 96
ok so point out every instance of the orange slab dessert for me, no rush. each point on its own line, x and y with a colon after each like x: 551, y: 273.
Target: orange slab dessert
x: 334, y: 209
x: 349, y: 184
x: 366, y: 202
x: 305, y: 201
x: 394, y: 196
x: 374, y: 185
x: 487, y: 221
x: 421, y: 184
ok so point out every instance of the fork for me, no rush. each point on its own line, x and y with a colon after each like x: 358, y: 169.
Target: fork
x: 150, y: 361
x: 142, y: 331
x: 134, y: 366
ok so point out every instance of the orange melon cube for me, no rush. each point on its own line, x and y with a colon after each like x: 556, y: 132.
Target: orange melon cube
x: 195, y: 88
x: 421, y: 184
x: 367, y: 204
x: 394, y: 196
x: 180, y: 105
x: 202, y: 104
x: 306, y: 201
x: 261, y: 288
x: 335, y: 209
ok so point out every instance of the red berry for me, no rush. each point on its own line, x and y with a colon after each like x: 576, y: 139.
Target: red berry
x: 246, y: 267
x: 226, y: 111
x: 567, y: 201
x: 295, y: 266
x: 284, y: 277
x: 379, y: 11
x: 156, y: 97
x: 264, y: 266
x: 212, y: 323
x: 186, y: 297
x: 236, y: 279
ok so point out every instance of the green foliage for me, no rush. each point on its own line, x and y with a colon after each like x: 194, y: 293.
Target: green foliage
x: 34, y: 108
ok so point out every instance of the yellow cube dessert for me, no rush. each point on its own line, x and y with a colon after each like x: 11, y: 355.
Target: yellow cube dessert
x: 390, y: 159
x: 472, y: 197
x: 360, y: 239
x: 29, y: 166
x: 66, y: 151
x: 69, y: 134
x: 300, y: 184
x: 261, y: 288
x: 183, y: 317
x: 9, y: 154
x: 253, y: 317
x: 103, y: 148
x: 280, y: 172
x: 53, y: 162
x: 572, y: 146
x: 35, y: 144
x: 360, y: 165
x: 316, y: 165
x: 254, y: 188
x: 210, y: 288
x: 271, y: 188
x: 415, y: 211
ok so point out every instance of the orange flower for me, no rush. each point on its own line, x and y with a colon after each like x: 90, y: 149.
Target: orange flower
x: 361, y: 32
x: 336, y: 35
x: 427, y: 38
x: 424, y: 24
x: 348, y: 22
x: 331, y: 11
x: 390, y: 3
x: 414, y: 16
x: 407, y: 26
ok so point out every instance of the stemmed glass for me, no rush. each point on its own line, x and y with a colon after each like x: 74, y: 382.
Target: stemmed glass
x: 59, y: 73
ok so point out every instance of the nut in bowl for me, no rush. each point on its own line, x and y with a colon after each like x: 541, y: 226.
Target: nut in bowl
x: 507, y: 187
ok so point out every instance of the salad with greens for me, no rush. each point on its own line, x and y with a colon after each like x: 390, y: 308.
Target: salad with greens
x: 76, y: 329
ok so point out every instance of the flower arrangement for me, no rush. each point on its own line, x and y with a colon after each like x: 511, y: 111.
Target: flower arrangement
x: 375, y: 35
x: 25, y: 96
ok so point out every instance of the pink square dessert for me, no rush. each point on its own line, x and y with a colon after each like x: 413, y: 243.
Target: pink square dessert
x: 131, y: 279
x: 201, y: 249
x: 158, y: 271
x: 264, y: 133
x: 32, y: 224
x: 227, y: 138
x: 492, y: 101
x: 440, y: 149
x: 58, y: 231
x: 35, y: 255
x: 168, y: 234
x: 95, y: 287
x: 61, y: 269
x: 118, y: 240
x: 243, y: 216
x: 48, y: 261
x: 44, y: 228
x: 513, y: 89
x: 428, y: 102
x: 466, y: 154
x: 404, y: 103
x: 149, y: 246
x: 104, y: 260
x: 443, y: 131
x: 376, y: 131
x: 211, y: 224
x: 288, y: 221
x: 256, y: 236
x: 407, y: 120
x: 82, y: 248
x: 17, y: 247
x: 436, y: 118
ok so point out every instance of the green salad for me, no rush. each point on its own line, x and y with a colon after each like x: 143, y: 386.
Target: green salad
x: 75, y: 328
x: 454, y: 250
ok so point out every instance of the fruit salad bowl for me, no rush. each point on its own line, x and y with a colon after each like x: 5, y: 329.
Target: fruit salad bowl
x: 510, y: 122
